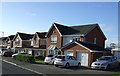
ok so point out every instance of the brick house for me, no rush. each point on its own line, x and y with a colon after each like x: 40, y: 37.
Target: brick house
x: 22, y: 42
x: 3, y: 44
x: 79, y: 38
x: 39, y: 43
x: 9, y: 42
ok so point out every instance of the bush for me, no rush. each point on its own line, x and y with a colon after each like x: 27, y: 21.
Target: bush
x: 39, y: 57
x: 25, y: 58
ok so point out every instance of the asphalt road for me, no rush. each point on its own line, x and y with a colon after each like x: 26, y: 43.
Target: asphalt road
x: 13, y: 70
x: 50, y: 70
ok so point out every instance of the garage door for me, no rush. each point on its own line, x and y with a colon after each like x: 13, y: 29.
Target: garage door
x: 117, y: 54
x: 68, y: 53
x: 83, y: 58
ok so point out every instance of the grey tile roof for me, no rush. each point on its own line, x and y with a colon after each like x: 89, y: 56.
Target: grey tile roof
x: 71, y: 30
x: 88, y: 45
x: 11, y: 37
x: 3, y: 38
x: 92, y: 46
x: 41, y: 34
x: 25, y: 36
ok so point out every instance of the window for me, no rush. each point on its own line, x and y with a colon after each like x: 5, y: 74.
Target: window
x: 95, y: 40
x: 76, y: 38
x: 42, y: 42
x: 53, y: 39
x: 17, y: 42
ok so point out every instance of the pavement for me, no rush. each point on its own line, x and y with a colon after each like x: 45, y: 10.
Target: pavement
x: 52, y: 70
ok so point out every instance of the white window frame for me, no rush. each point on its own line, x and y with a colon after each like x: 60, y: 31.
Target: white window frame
x: 54, y: 39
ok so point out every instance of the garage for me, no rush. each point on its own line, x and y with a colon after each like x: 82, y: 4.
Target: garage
x: 83, y: 58
x: 84, y: 52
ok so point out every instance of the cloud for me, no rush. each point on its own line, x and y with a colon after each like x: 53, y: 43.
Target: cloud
x: 106, y: 28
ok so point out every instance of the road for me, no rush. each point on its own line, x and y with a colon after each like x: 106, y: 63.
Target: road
x: 49, y: 70
x: 13, y: 70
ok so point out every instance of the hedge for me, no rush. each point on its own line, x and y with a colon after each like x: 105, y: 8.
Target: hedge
x: 25, y: 58
x: 39, y: 57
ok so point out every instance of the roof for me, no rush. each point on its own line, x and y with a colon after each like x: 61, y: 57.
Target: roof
x: 69, y: 30
x: 11, y: 37
x: 75, y: 30
x: 25, y: 36
x: 3, y: 38
x: 41, y: 34
x: 88, y: 45
x: 92, y: 46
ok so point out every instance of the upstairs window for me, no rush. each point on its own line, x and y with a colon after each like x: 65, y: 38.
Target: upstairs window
x: 17, y: 42
x: 76, y: 38
x: 53, y: 39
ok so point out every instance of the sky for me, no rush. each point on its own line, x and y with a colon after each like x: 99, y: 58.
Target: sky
x: 31, y: 17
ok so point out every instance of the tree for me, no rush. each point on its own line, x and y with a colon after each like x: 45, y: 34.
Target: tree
x: 113, y: 45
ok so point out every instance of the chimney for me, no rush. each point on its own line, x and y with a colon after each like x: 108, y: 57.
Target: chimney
x: 82, y: 38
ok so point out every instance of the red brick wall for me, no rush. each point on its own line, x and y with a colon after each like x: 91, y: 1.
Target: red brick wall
x: 59, y: 38
x: 95, y: 33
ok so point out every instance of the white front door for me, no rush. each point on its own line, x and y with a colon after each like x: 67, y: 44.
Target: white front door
x: 83, y: 58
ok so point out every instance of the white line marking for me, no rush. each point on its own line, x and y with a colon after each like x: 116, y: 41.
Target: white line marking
x: 9, y: 62
x: 22, y: 67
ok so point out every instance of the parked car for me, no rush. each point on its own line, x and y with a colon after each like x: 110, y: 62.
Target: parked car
x: 8, y: 54
x: 49, y: 59
x: 66, y: 61
x: 14, y: 55
x: 105, y: 62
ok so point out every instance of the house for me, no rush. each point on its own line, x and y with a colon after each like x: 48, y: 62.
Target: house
x: 9, y: 42
x: 22, y: 42
x: 3, y: 42
x: 77, y: 41
x: 39, y: 43
x: 3, y: 45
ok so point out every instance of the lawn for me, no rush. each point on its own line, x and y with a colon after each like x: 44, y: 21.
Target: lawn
x: 39, y: 61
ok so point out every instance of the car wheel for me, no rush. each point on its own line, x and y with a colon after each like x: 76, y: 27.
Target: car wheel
x: 46, y: 63
x: 56, y: 65
x: 108, y: 67
x: 79, y: 65
x: 67, y: 65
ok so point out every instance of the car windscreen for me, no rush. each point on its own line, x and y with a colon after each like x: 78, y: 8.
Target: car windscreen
x: 61, y: 57
x: 104, y: 58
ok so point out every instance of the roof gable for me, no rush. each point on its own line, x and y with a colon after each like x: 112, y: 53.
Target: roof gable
x: 90, y: 46
x: 24, y: 36
x: 41, y: 34
x: 11, y: 37
x: 73, y: 30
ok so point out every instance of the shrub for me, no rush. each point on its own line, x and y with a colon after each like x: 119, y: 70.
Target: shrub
x: 25, y: 58
x: 39, y: 57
